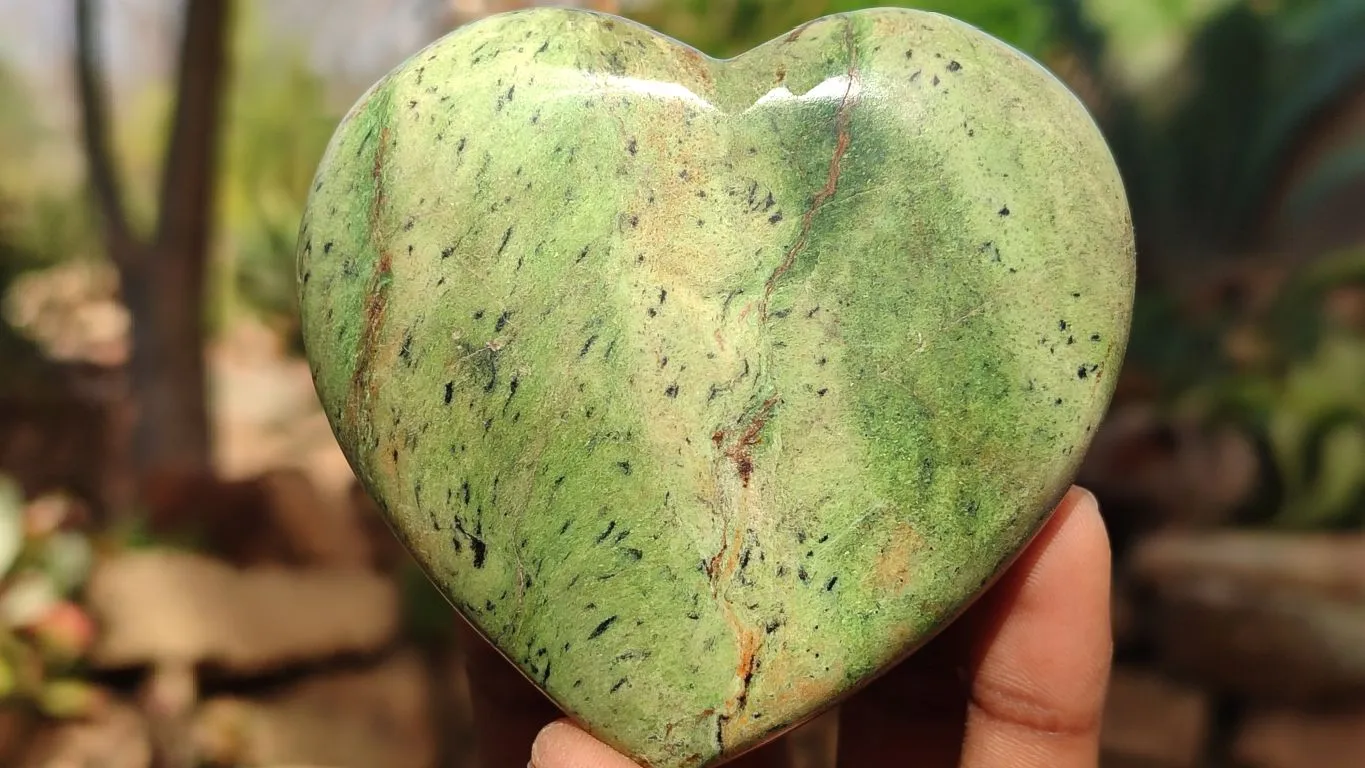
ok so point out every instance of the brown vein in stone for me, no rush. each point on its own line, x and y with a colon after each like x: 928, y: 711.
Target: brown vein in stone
x: 724, y: 565
x: 376, y: 296
x: 823, y: 196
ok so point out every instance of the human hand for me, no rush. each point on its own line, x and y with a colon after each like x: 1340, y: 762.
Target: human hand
x: 1018, y: 681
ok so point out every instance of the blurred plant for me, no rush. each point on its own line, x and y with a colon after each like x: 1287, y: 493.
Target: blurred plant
x: 278, y: 124
x: 1208, y: 144
x: 43, y: 633
x: 1292, y: 373
x: 730, y: 27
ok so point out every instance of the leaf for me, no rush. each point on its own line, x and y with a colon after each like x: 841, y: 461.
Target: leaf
x: 68, y: 559
x: 11, y: 524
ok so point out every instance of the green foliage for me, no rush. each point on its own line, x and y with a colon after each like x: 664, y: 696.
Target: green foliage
x: 43, y: 635
x: 1301, y: 397
x: 279, y: 123
x: 730, y: 27
x: 1204, y: 147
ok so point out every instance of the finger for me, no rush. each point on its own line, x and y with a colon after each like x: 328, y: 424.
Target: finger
x: 563, y: 745
x: 508, y: 709
x: 1043, y: 650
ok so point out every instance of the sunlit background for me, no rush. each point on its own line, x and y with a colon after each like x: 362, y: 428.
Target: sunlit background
x: 188, y: 575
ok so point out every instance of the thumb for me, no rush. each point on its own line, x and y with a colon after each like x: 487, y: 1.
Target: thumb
x: 561, y: 744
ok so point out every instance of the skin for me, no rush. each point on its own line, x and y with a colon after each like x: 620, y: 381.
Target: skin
x: 1018, y: 683
x: 708, y: 390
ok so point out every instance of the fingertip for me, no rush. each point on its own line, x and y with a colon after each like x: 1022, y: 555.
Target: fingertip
x: 561, y: 744
x: 1043, y: 656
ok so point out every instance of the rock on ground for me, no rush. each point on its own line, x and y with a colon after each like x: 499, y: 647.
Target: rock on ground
x: 157, y: 607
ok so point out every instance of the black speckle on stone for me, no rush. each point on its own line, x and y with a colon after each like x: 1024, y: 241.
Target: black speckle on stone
x: 1094, y: 337
x: 1061, y: 325
x: 693, y: 615
x: 936, y: 80
x: 829, y: 585
x: 822, y: 391
x: 953, y: 66
x: 603, y: 627
x: 632, y: 146
x: 502, y: 320
x: 450, y: 392
x: 776, y: 217
x: 634, y: 220
x: 447, y: 251
x: 781, y: 313
x: 506, y: 236
x: 1081, y: 372
x: 405, y: 351
x: 663, y: 295
x: 617, y: 686
x: 822, y: 361
x: 1004, y: 210
x: 1058, y: 401
x: 634, y: 554
x: 459, y: 145
x: 478, y: 314
x: 624, y: 466
x: 564, y: 528
x: 610, y: 527
x: 587, y: 345
x: 327, y: 246
x: 583, y: 254
x: 672, y: 390
x: 464, y: 492
x: 801, y: 573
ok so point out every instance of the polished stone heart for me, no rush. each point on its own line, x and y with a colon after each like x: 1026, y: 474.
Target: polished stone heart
x: 709, y: 389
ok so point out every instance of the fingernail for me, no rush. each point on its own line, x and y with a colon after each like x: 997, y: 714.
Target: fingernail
x: 540, y: 747
x: 1088, y: 497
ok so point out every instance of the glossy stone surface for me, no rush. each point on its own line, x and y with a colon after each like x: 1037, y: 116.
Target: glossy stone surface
x: 708, y: 389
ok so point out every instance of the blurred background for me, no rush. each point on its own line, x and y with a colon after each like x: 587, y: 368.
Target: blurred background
x: 204, y: 585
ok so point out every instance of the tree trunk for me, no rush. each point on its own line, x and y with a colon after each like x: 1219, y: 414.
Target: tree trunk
x: 163, y: 278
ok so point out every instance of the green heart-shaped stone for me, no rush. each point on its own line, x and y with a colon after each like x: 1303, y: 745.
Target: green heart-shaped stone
x: 708, y: 389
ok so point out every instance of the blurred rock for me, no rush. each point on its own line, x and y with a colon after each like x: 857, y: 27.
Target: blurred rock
x: 72, y: 311
x: 117, y: 738
x: 1149, y: 720
x: 1276, y: 617
x: 277, y: 517
x: 1154, y: 472
x: 1286, y: 739
x: 155, y: 607
x: 375, y: 717
x: 386, y: 550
